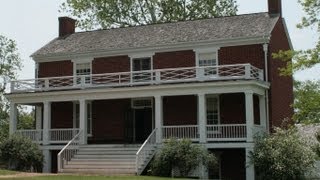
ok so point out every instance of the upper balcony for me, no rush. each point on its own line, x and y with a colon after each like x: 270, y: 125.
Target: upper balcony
x: 136, y: 78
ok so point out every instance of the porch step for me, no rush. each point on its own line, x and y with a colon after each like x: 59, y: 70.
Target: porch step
x: 103, y: 159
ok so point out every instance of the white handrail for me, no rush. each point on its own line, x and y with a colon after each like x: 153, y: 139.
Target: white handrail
x: 156, y: 76
x: 68, y: 151
x: 146, y: 152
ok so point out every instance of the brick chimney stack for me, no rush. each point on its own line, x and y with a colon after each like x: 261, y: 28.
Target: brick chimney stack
x: 274, y: 7
x: 66, y: 26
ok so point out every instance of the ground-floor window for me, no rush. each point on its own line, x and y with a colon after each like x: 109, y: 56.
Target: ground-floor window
x: 212, y: 103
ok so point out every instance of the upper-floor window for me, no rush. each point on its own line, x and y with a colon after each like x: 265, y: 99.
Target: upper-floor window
x: 141, y: 64
x: 83, y: 70
x: 207, y: 59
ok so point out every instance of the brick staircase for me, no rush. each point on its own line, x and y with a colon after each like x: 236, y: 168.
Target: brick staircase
x: 116, y: 159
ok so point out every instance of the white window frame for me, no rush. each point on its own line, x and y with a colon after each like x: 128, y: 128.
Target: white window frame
x: 203, y: 73
x: 81, y: 61
x: 206, y: 50
x: 141, y: 56
x: 218, y: 107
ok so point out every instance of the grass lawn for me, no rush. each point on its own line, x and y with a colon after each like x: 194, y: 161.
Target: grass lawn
x: 7, y: 172
x: 79, y: 177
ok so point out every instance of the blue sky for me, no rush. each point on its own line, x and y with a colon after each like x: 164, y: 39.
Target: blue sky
x: 33, y: 23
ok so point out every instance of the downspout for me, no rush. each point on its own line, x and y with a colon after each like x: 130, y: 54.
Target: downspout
x: 265, y: 49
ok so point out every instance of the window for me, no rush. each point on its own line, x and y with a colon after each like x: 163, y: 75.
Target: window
x: 141, y: 64
x: 208, y: 59
x: 212, y: 110
x: 83, y: 69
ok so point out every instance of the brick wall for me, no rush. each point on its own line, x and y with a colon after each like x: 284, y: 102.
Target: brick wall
x: 174, y: 59
x: 62, y: 115
x: 252, y: 54
x: 281, y: 91
x: 55, y: 68
x: 108, y: 123
x: 180, y: 110
x: 232, y: 109
x: 111, y: 64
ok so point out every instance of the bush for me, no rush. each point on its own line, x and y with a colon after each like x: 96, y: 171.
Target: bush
x: 181, y: 155
x: 20, y: 153
x: 282, y: 155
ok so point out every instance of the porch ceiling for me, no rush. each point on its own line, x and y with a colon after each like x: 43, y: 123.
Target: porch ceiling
x: 257, y: 87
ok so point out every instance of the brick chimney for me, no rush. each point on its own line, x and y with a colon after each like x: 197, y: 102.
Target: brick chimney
x: 274, y: 7
x: 66, y: 26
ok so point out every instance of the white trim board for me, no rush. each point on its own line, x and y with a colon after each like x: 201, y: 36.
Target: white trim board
x: 256, y: 87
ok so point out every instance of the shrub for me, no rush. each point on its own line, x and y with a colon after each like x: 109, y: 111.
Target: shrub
x: 20, y: 153
x: 182, y: 155
x: 282, y: 155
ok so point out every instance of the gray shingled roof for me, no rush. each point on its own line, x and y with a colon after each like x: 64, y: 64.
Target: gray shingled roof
x: 241, y: 26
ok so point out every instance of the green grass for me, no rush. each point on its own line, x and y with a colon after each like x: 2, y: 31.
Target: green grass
x: 7, y: 172
x: 79, y: 177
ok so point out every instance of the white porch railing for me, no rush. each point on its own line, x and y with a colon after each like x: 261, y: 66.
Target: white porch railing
x: 56, y: 136
x: 157, y: 76
x: 227, y: 132
x: 33, y: 134
x: 146, y: 152
x: 68, y: 152
x: 62, y: 135
x: 181, y: 132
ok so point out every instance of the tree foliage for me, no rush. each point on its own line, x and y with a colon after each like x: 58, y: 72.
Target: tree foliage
x: 283, y: 155
x: 122, y: 13
x: 20, y: 153
x: 304, y: 59
x: 182, y: 155
x: 307, y: 102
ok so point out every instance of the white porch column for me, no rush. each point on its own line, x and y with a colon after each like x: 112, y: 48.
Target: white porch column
x: 250, y: 174
x: 46, y: 121
x: 158, y: 117
x: 13, y: 118
x: 83, y: 120
x: 202, y: 117
x: 249, y: 115
x: 38, y: 117
x: 47, y: 161
x: 263, y: 114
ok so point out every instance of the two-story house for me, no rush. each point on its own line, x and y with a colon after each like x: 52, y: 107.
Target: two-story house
x: 105, y: 100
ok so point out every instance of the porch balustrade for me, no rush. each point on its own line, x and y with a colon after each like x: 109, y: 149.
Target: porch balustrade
x: 220, y: 132
x: 157, y: 76
x: 56, y: 136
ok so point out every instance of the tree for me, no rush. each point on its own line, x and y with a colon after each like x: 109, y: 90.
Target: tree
x: 284, y: 155
x: 307, y: 102
x: 10, y: 63
x: 304, y: 59
x: 122, y: 13
x: 182, y: 155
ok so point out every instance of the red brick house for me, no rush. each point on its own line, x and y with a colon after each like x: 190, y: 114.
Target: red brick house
x: 115, y: 95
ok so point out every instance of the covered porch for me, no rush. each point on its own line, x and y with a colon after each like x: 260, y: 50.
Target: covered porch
x: 203, y: 118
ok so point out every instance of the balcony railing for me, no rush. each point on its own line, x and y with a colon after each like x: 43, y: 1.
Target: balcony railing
x: 157, y: 76
x: 217, y: 133
x: 56, y: 136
